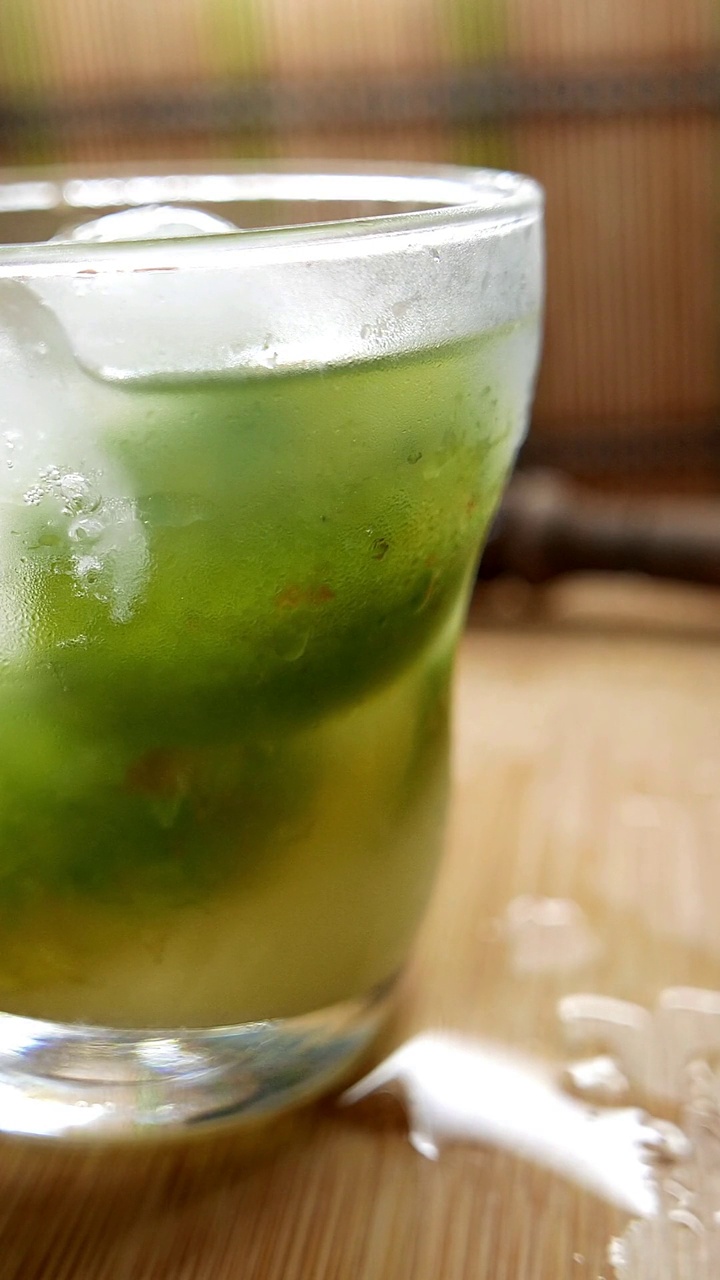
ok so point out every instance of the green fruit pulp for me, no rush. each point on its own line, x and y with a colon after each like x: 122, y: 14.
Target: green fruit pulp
x: 225, y: 713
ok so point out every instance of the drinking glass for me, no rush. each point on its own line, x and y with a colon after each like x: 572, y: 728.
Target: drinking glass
x: 253, y: 426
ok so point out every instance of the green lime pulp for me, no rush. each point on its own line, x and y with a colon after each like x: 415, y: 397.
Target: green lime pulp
x: 223, y: 782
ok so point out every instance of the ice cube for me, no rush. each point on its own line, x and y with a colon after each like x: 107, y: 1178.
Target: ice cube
x: 149, y: 222
x: 217, y: 304
x: 134, y: 319
x: 62, y: 498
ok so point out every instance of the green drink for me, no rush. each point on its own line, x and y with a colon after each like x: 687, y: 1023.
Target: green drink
x: 232, y: 597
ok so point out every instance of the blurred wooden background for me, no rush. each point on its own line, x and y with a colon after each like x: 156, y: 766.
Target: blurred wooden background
x: 614, y: 106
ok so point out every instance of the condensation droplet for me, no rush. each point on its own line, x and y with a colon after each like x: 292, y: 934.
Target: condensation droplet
x: 400, y: 308
x: 292, y: 645
x: 49, y: 538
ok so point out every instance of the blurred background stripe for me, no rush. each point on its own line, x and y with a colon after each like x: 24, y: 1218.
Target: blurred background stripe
x: 614, y: 106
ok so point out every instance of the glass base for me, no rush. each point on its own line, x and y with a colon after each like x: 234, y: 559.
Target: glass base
x: 82, y: 1083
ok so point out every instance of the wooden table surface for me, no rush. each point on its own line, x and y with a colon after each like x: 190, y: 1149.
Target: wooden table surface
x: 558, y: 1032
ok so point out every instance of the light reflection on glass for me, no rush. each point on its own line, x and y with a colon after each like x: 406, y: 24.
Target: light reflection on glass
x: 43, y: 1117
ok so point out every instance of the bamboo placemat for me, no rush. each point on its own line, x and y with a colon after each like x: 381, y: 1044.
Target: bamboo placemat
x: 614, y: 107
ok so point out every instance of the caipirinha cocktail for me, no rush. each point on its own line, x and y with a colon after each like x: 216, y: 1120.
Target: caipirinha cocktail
x: 235, y: 605
x: 244, y: 480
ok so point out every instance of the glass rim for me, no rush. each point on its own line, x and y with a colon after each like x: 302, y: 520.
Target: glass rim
x: 450, y: 195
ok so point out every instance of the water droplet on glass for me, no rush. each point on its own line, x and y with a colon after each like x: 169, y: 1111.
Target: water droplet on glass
x: 291, y: 645
x: 399, y: 309
x: 73, y: 641
x: 49, y: 538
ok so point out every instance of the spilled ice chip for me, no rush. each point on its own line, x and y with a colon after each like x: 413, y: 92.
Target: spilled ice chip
x: 64, y: 505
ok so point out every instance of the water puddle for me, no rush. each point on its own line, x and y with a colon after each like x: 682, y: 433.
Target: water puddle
x: 459, y: 1090
x: 635, y: 1122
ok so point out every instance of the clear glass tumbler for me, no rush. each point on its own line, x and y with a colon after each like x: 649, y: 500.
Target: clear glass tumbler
x: 253, y: 425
